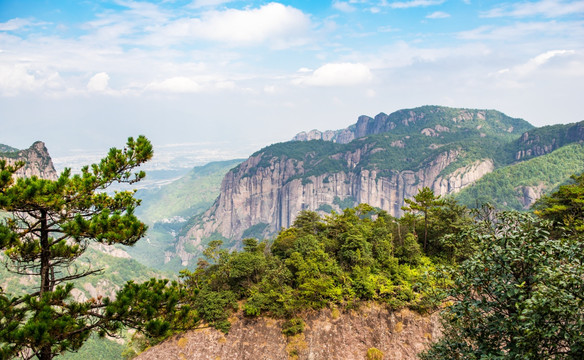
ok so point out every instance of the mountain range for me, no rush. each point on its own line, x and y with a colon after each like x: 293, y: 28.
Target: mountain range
x: 382, y: 161
x: 473, y: 155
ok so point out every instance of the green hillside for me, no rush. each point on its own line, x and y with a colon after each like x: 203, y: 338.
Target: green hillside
x: 6, y: 149
x: 502, y: 187
x: 166, y: 210
x: 543, y: 140
x: 191, y: 194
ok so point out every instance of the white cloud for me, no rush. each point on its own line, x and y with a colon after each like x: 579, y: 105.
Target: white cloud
x: 438, y: 15
x: 274, y: 23
x: 16, y: 78
x: 204, y: 3
x: 337, y: 74
x: 142, y: 9
x: 99, y: 82
x: 225, y: 85
x: 18, y: 23
x: 521, y: 30
x: 343, y: 6
x: 177, y: 84
x: 547, y: 8
x: 534, y: 63
x: 414, y: 3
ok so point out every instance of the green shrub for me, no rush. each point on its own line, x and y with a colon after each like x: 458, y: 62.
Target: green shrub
x: 293, y: 327
x: 374, y: 354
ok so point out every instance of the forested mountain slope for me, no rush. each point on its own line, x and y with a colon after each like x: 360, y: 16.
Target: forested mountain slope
x: 380, y: 161
x: 166, y: 210
x: 518, y: 186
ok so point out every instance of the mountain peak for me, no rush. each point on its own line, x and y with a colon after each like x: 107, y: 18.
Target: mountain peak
x: 417, y: 119
x: 37, y: 160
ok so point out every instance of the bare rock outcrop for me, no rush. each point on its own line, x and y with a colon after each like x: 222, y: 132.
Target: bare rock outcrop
x: 463, y: 177
x: 530, y: 194
x: 328, y: 335
x: 37, y: 162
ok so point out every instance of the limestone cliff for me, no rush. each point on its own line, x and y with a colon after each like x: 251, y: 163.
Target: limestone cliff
x: 380, y: 161
x: 37, y: 161
x: 273, y: 195
x: 328, y: 335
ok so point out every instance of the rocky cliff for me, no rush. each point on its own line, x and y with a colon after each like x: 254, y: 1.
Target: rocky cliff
x: 390, y: 159
x: 274, y: 194
x: 328, y: 335
x: 546, y: 139
x: 37, y: 161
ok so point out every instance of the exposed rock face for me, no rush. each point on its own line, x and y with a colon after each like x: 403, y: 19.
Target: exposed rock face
x: 383, y: 160
x: 538, y: 142
x: 530, y: 194
x: 365, y: 126
x: 463, y: 177
x: 272, y: 195
x: 37, y: 162
x: 327, y: 336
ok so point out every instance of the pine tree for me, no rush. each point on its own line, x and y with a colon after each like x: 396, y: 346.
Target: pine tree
x: 48, y: 225
x: 565, y: 207
x: 424, y: 201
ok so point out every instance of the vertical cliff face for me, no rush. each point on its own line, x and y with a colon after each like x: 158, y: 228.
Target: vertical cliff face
x: 37, y: 161
x: 380, y: 161
x: 274, y: 195
x: 328, y: 335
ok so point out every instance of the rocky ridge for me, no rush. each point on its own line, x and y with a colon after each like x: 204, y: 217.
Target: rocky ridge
x: 544, y: 140
x: 37, y: 160
x: 328, y: 334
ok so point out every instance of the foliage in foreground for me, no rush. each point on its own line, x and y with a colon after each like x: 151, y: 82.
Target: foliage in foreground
x: 520, y: 296
x: 340, y: 260
x: 48, y: 226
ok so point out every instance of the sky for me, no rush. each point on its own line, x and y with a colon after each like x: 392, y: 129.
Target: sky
x: 218, y: 79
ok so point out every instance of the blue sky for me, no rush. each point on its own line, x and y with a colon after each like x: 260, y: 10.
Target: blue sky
x: 224, y: 78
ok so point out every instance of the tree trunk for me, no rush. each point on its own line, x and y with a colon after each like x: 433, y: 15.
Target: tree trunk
x: 46, y: 353
x: 425, y: 230
x: 45, y: 256
x: 46, y: 283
